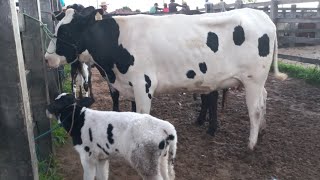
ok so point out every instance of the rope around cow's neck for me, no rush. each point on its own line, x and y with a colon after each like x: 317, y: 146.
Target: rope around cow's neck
x: 72, y: 122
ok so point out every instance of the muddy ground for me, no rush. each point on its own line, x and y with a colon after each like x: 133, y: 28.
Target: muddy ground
x: 290, y: 149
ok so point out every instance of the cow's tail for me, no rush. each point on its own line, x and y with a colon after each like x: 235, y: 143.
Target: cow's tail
x: 277, y: 74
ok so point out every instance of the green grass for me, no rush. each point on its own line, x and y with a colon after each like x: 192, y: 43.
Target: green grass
x: 67, y: 81
x: 311, y: 75
x: 48, y: 167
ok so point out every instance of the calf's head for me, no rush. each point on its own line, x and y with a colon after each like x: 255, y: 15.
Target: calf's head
x: 67, y: 44
x: 64, y: 101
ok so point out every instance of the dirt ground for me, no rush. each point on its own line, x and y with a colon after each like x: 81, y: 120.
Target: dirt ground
x: 290, y: 148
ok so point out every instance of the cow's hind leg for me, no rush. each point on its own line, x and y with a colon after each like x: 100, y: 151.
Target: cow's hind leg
x: 204, y: 109
x: 213, y: 114
x: 256, y: 102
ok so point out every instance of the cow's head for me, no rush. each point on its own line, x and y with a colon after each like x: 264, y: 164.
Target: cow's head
x: 67, y: 44
x: 64, y: 101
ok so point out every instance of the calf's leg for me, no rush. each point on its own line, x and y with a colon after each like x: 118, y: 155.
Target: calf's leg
x: 102, y: 169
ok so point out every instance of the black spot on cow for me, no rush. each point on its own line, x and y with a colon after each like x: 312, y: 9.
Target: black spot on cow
x: 130, y: 84
x: 170, y: 137
x: 90, y: 135
x: 264, y: 45
x: 90, y: 153
x: 213, y: 41
x: 117, y: 150
x: 191, y: 74
x: 149, y: 95
x: 87, y: 149
x: 103, y: 45
x: 238, y: 35
x: 203, y: 67
x: 106, y: 152
x: 110, y: 134
x: 107, y: 145
x: 162, y: 144
x: 148, y: 83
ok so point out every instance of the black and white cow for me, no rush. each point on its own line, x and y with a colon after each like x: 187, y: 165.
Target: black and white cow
x: 81, y: 78
x: 146, y: 55
x: 147, y: 143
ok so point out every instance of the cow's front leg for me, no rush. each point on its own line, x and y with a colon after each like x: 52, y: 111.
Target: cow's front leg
x: 143, y: 93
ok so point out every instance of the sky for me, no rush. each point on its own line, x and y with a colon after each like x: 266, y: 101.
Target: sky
x: 145, y: 5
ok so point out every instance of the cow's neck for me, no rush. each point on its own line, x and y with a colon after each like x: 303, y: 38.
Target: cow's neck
x: 103, y: 45
x: 66, y: 119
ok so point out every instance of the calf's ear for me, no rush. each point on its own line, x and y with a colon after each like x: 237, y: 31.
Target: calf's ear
x: 86, y: 102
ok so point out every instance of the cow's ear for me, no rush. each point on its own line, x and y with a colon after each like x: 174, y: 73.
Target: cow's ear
x: 85, y: 102
x: 100, y: 11
x: 87, y: 11
x: 58, y: 15
x: 90, y: 15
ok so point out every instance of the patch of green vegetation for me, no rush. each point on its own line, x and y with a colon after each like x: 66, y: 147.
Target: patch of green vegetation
x: 48, y: 169
x: 67, y: 80
x: 310, y: 74
x: 60, y: 135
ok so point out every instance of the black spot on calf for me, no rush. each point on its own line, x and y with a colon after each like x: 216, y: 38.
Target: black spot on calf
x: 203, y: 67
x: 149, y: 95
x: 106, y: 152
x: 162, y: 144
x: 264, y: 45
x: 110, y: 134
x: 191, y: 74
x: 148, y: 83
x: 238, y: 35
x: 87, y: 149
x: 213, y: 41
x: 107, y: 145
x: 130, y: 84
x: 170, y: 137
x: 90, y: 134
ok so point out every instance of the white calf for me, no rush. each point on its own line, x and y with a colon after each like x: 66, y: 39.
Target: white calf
x: 147, y: 143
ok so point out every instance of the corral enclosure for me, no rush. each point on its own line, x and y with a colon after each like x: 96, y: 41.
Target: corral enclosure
x: 288, y: 150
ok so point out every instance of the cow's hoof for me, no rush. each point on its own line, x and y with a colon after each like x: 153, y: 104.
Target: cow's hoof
x: 251, y: 146
x: 211, y: 132
x: 199, y: 122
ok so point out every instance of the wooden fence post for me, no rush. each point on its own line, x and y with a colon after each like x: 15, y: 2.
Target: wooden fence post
x: 293, y: 25
x: 52, y: 74
x: 274, y: 11
x: 17, y: 150
x: 318, y: 24
x: 33, y: 54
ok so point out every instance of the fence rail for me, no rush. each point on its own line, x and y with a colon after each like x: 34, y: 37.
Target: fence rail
x: 293, y: 24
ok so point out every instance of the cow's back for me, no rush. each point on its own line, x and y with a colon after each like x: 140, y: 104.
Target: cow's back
x: 174, y: 46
